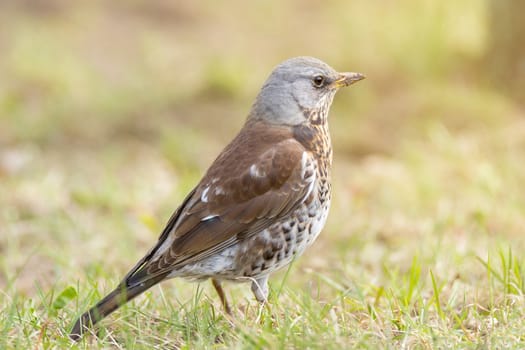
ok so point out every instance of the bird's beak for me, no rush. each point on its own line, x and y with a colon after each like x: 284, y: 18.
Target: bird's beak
x: 347, y: 79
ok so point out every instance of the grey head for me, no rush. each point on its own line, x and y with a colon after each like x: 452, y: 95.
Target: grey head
x: 298, y: 89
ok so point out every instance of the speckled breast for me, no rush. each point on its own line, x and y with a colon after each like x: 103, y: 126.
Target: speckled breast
x: 287, y: 239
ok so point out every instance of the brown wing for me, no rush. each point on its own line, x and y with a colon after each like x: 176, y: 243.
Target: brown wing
x: 255, y: 180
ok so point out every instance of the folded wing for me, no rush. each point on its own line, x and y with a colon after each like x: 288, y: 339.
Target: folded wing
x: 234, y: 200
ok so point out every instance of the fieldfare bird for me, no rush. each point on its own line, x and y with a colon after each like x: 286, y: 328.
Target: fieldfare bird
x: 262, y: 202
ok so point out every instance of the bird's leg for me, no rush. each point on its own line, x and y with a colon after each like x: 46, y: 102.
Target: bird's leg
x: 222, y: 296
x: 260, y: 289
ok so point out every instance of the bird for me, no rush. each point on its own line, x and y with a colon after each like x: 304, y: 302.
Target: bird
x: 260, y: 204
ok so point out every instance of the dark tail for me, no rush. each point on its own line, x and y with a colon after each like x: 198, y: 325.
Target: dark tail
x: 118, y: 297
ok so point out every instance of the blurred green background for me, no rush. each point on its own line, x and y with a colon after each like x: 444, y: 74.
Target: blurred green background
x: 110, y: 112
x: 91, y: 72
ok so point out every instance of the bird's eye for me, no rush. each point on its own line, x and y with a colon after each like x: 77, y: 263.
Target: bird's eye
x: 318, y: 81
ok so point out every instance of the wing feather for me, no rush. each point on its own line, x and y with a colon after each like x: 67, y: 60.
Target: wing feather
x: 233, y: 201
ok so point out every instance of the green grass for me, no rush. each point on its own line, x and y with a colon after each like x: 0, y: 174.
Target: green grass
x: 109, y: 114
